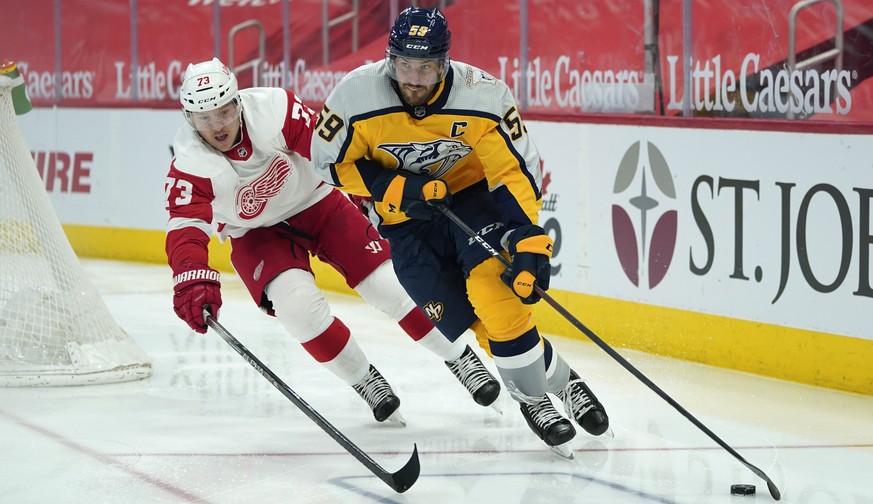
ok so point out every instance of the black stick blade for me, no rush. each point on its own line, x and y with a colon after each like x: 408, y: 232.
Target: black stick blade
x: 401, y: 480
x: 774, y: 492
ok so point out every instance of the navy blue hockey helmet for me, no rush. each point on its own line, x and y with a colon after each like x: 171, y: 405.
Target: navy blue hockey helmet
x: 420, y: 33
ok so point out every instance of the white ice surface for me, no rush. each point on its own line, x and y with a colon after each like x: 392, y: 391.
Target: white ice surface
x: 207, y: 428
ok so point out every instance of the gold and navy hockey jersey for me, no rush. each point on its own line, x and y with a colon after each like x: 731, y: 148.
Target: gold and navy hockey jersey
x: 468, y: 132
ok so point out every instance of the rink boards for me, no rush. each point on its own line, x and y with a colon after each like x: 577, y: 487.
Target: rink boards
x: 736, y: 248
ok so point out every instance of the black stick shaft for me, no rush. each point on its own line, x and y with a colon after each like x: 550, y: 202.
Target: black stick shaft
x: 400, y: 481
x: 774, y: 491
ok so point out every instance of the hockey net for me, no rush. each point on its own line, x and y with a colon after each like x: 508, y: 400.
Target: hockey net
x: 55, y: 328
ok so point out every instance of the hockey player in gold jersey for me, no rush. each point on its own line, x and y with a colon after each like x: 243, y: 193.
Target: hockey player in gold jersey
x: 417, y: 130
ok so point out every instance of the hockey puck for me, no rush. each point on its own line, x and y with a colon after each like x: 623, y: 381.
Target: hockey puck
x: 742, y: 489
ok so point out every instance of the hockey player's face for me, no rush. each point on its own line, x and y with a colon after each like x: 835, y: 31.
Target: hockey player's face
x: 219, y: 127
x: 417, y: 79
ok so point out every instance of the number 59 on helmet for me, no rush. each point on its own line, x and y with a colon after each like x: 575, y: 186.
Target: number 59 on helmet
x: 420, y: 33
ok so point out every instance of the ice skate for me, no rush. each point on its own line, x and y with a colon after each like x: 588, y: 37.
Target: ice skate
x: 582, y: 405
x: 555, y: 430
x: 377, y: 392
x: 470, y: 371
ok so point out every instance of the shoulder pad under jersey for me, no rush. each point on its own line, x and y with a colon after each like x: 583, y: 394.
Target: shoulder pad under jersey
x: 264, y: 111
x: 363, y: 90
x: 476, y: 89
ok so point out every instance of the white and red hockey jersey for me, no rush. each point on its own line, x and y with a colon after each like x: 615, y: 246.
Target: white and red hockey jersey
x: 265, y: 178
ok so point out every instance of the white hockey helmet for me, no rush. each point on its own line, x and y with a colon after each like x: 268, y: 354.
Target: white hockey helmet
x: 207, y: 86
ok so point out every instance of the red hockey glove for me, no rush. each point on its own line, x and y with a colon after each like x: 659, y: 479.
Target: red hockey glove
x: 196, y: 285
x: 530, y: 249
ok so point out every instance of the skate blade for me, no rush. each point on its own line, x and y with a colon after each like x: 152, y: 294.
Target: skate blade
x: 563, y: 450
x: 609, y: 433
x: 496, y: 407
x: 396, y: 419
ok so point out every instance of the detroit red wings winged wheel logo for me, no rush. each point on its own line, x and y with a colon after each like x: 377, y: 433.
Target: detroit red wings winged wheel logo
x: 252, y: 198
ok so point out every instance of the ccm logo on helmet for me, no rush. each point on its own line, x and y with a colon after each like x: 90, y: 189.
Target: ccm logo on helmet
x: 207, y: 100
x: 421, y: 47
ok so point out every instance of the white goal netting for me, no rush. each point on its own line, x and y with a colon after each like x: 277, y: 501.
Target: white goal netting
x: 54, y: 327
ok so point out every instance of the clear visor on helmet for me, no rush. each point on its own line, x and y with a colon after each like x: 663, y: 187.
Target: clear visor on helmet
x: 213, y: 120
x: 416, y: 71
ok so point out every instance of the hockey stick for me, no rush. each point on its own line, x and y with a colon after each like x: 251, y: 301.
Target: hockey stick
x: 774, y: 492
x: 400, y: 481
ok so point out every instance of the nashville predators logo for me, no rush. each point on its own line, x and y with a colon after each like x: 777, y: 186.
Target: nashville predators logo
x: 434, y: 158
x: 252, y: 198
x: 433, y: 310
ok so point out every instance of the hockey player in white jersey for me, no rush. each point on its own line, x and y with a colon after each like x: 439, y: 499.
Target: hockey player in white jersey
x: 415, y: 131
x: 242, y: 169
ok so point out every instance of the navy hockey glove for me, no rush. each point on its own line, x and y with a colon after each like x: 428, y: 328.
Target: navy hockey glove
x: 530, y: 249
x: 196, y: 285
x: 414, y: 195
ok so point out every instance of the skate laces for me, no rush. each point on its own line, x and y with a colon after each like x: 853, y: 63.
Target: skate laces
x: 373, y: 388
x: 542, y: 412
x: 470, y: 371
x: 575, y: 397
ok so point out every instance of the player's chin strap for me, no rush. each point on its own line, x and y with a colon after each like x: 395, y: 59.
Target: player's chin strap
x: 400, y: 481
x: 774, y: 492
